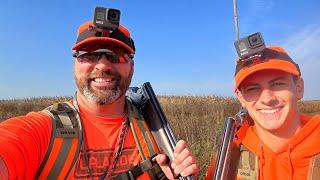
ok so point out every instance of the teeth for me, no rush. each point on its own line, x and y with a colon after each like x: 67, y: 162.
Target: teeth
x: 102, y: 79
x: 269, y: 111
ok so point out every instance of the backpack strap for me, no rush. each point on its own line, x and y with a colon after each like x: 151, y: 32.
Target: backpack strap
x: 149, y: 166
x: 66, y: 138
x: 248, y: 165
x: 314, y: 168
x: 146, y: 145
x: 64, y: 144
x: 145, y: 142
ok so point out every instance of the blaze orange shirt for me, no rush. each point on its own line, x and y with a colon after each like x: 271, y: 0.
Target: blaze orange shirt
x: 24, y: 141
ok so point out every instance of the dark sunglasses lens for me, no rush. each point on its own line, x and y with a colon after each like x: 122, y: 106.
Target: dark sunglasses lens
x: 113, y: 58
x: 93, y: 57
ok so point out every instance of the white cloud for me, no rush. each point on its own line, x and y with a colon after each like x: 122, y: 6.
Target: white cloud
x: 303, y: 47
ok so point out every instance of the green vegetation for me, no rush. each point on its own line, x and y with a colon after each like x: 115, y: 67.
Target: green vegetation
x: 196, y: 119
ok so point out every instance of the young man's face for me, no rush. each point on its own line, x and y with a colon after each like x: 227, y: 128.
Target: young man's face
x: 103, y: 82
x: 271, y: 96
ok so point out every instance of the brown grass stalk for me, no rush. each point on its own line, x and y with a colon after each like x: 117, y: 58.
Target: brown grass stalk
x: 196, y: 119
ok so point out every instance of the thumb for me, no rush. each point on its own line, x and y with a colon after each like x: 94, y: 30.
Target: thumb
x: 163, y: 160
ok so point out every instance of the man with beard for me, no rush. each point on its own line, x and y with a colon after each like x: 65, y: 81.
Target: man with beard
x: 280, y: 142
x: 103, y: 68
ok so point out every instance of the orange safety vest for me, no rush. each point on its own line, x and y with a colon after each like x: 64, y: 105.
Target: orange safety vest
x: 248, y: 167
x: 66, y: 139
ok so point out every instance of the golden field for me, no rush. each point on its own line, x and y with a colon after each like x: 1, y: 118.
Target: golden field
x: 196, y: 119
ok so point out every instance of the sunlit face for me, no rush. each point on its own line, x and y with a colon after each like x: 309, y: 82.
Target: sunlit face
x: 271, y: 96
x: 103, y: 82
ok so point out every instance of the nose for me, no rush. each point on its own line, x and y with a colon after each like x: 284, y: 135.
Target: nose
x: 268, y: 97
x: 104, y: 63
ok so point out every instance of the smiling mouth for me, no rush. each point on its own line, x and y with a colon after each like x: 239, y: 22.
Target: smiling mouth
x: 103, y: 79
x: 269, y: 111
x: 104, y: 82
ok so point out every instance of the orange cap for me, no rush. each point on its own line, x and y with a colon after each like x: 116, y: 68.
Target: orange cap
x: 273, y: 57
x: 87, y: 36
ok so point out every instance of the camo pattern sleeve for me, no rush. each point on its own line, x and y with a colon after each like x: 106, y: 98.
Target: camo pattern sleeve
x: 23, y: 143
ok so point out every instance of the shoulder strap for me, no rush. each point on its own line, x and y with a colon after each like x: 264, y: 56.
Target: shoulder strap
x: 65, y: 142
x: 145, y: 142
x: 314, y: 168
x: 146, y: 145
x: 248, y: 165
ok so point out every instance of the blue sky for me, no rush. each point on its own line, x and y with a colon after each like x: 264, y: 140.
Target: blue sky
x: 183, y: 47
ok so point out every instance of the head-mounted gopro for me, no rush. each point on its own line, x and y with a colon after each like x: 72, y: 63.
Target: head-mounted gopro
x: 250, y: 45
x: 106, y: 18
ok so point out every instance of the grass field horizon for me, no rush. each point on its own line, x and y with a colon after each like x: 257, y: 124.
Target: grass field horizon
x: 196, y: 119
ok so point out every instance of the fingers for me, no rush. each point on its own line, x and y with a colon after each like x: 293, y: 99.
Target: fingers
x: 191, y: 170
x: 180, y: 146
x: 187, y: 163
x: 180, y: 157
x: 184, y: 162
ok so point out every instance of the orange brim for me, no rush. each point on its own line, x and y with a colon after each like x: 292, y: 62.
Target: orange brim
x: 274, y: 64
x: 101, y: 41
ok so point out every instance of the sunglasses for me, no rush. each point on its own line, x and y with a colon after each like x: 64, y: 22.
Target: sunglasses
x: 95, y: 56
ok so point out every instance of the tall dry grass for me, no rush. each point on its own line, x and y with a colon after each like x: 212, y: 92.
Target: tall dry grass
x: 309, y: 107
x: 16, y: 107
x: 198, y: 120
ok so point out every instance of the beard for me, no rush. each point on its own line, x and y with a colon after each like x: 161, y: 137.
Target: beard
x: 103, y: 95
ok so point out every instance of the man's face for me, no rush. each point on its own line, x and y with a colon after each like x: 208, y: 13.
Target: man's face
x: 271, y: 96
x: 103, y: 82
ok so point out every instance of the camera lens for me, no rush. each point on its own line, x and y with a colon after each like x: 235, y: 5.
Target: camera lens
x: 113, y: 15
x: 255, y: 40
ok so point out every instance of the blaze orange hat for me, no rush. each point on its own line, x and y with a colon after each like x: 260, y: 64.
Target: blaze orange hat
x: 89, y: 35
x: 273, y: 57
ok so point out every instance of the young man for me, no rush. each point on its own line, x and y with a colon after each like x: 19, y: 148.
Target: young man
x: 282, y: 143
x: 103, y: 68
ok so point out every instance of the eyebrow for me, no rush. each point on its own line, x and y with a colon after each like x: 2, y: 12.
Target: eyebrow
x: 243, y: 87
x: 276, y: 79
x: 257, y: 84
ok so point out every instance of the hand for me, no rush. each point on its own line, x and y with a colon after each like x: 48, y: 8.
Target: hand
x: 184, y: 163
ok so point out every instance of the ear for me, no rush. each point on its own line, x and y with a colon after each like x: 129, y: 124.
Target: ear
x: 240, y: 97
x: 299, y: 88
x: 131, y: 68
x: 132, y: 65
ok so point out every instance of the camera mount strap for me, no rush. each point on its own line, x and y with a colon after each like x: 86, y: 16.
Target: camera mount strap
x: 115, y: 34
x: 265, y: 55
